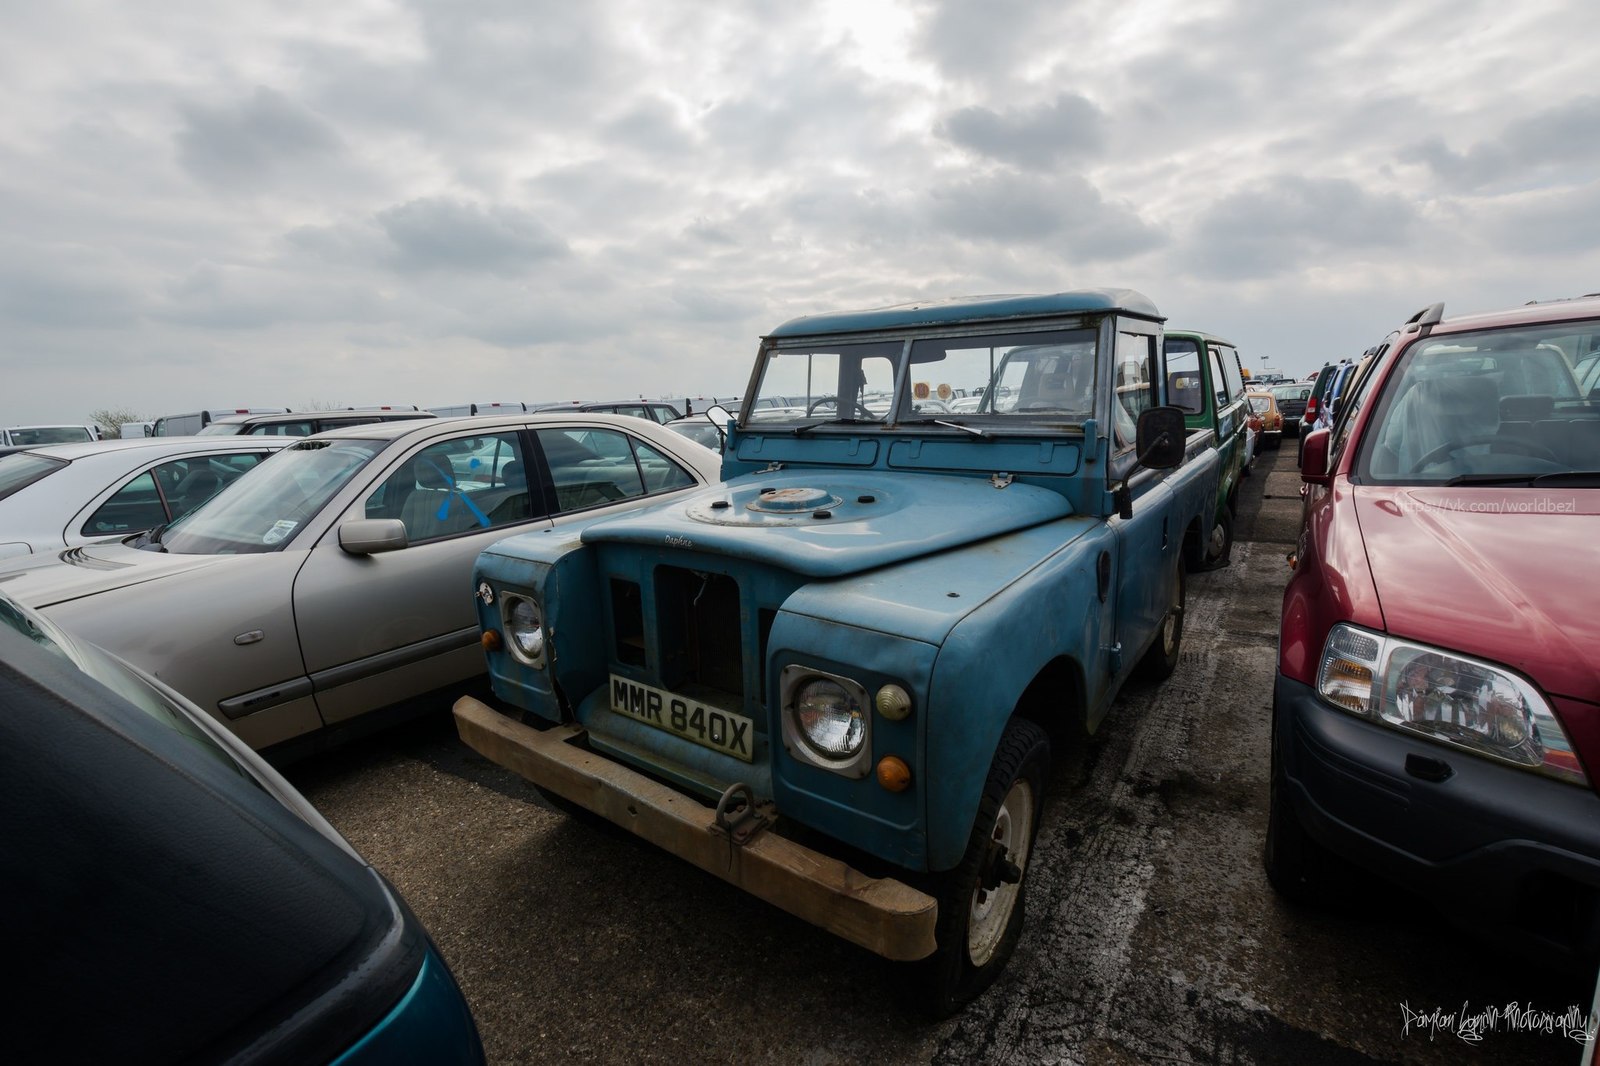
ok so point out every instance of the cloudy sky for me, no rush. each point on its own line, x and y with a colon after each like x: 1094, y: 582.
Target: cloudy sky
x: 418, y: 201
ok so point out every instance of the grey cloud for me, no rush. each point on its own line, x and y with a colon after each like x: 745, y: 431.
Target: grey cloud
x: 1065, y: 212
x: 1554, y: 144
x: 1560, y: 223
x: 438, y: 233
x: 1285, y: 221
x: 650, y: 127
x: 227, y: 297
x: 984, y: 40
x: 1069, y: 126
x: 244, y: 142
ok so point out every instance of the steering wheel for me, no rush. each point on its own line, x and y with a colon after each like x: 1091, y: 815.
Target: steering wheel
x: 1515, y: 444
x: 833, y: 401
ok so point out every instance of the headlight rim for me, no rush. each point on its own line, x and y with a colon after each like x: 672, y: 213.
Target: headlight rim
x: 509, y: 601
x: 792, y: 679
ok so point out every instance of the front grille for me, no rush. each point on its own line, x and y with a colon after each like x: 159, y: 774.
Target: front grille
x: 701, y: 636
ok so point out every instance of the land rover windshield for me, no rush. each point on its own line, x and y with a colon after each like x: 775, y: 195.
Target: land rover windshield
x: 992, y: 381
x: 263, y: 512
x: 1492, y: 407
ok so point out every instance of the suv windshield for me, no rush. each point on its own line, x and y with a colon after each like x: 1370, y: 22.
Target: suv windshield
x: 262, y: 512
x: 28, y: 436
x: 1499, y: 406
x: 997, y: 380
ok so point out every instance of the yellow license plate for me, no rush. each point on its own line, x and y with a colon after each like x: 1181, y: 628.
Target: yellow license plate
x: 708, y: 726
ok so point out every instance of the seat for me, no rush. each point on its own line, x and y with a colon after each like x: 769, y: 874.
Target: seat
x: 427, y: 509
x: 1440, y: 411
x: 196, y: 487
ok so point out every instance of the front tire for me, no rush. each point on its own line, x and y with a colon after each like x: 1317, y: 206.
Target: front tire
x: 981, y: 901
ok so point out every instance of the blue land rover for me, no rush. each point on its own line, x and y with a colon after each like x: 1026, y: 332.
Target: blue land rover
x: 837, y: 678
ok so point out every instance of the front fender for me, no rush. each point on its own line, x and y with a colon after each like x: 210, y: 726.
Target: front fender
x: 989, y: 660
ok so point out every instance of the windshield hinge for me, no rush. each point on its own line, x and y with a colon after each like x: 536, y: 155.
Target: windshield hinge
x: 1000, y: 481
x: 772, y: 468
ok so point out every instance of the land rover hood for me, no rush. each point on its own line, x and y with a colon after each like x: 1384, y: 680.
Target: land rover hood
x: 826, y: 523
x: 45, y: 580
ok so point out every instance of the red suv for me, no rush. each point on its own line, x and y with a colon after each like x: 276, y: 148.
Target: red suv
x: 1436, y: 715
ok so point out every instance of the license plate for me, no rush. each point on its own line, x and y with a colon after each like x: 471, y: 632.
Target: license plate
x: 708, y: 726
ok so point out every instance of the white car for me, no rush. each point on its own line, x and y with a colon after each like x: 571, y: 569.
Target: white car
x: 60, y: 495
x: 335, y: 580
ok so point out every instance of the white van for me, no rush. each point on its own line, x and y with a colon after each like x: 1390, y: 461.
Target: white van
x: 29, y: 436
x: 460, y: 409
x: 135, y: 430
x: 188, y: 425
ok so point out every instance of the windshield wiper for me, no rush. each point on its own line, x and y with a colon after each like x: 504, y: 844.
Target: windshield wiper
x: 150, y: 539
x: 962, y: 426
x: 1575, y: 479
x: 1491, y: 479
x: 802, y: 430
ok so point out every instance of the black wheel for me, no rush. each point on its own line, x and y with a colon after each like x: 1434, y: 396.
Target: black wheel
x: 1298, y: 867
x: 1219, y: 546
x: 981, y: 900
x: 1162, y: 658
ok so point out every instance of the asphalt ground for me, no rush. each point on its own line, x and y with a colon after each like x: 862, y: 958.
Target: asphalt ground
x: 1151, y: 935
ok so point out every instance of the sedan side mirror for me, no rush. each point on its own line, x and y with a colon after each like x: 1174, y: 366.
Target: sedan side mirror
x: 370, y: 536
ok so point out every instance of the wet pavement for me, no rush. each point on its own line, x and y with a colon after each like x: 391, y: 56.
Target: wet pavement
x: 1151, y: 935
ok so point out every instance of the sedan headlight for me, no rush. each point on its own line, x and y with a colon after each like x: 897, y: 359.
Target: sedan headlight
x: 524, y: 629
x: 1465, y: 703
x: 825, y: 720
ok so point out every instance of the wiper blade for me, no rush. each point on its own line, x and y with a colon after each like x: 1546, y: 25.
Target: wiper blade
x: 1575, y: 479
x: 962, y: 426
x: 150, y: 539
x: 802, y: 430
x: 1491, y: 479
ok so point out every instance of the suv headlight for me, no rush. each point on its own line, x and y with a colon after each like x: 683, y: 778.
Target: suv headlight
x: 524, y: 629
x: 1464, y: 703
x: 825, y: 720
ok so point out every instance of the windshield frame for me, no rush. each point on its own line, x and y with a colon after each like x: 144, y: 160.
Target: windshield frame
x: 249, y: 500
x: 903, y: 346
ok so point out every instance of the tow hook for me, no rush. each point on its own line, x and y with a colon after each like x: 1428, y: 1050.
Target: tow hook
x: 998, y: 868
x: 738, y: 817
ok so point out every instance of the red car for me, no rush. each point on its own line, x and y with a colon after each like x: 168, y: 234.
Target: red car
x: 1436, y: 714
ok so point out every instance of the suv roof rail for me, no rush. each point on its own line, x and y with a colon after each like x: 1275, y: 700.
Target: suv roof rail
x: 1424, y: 320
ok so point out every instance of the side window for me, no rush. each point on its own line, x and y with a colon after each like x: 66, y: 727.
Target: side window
x: 1231, y: 372
x: 1133, y: 395
x: 660, y: 473
x: 283, y: 429
x: 1185, y: 390
x: 589, y: 467
x: 462, y: 485
x: 135, y: 506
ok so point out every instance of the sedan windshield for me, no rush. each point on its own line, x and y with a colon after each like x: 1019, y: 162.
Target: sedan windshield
x: 994, y: 380
x: 1501, y: 406
x: 263, y: 512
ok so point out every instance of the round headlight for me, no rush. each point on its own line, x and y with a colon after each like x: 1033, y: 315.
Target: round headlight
x: 829, y: 718
x: 525, y: 629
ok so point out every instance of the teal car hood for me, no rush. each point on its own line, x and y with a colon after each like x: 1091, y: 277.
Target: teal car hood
x: 828, y: 523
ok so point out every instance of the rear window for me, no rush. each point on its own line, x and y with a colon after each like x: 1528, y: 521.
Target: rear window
x: 21, y: 469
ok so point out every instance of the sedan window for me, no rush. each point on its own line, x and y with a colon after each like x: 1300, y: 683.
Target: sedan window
x: 21, y: 469
x: 591, y: 467
x: 263, y: 512
x: 457, y: 486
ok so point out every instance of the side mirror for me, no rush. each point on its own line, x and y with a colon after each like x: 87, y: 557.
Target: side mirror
x: 370, y: 536
x: 1162, y: 438
x: 1314, y: 458
x: 719, y: 416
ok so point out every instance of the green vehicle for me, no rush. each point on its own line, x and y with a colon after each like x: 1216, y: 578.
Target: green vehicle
x: 1206, y: 380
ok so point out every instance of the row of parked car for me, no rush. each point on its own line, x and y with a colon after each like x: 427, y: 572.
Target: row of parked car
x: 852, y: 630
